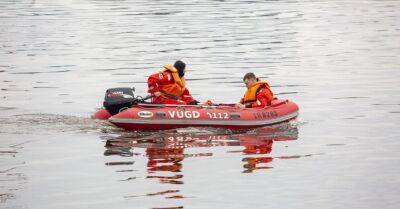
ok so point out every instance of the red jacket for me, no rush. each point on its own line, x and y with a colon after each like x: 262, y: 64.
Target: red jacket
x: 264, y: 98
x: 162, y: 82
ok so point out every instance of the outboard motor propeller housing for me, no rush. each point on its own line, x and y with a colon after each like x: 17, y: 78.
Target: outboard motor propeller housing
x: 117, y: 99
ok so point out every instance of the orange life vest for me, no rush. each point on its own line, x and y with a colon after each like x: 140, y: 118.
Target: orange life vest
x: 251, y: 94
x: 178, y: 86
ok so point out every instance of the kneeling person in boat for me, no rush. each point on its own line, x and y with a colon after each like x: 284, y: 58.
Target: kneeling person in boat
x: 168, y: 86
x: 258, y: 93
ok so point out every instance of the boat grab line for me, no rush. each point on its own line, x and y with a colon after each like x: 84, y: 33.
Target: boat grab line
x: 203, y: 122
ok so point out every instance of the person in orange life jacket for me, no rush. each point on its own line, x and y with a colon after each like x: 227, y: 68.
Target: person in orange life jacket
x: 168, y: 86
x: 258, y: 93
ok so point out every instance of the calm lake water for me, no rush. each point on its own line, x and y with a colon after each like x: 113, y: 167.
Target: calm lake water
x: 338, y: 60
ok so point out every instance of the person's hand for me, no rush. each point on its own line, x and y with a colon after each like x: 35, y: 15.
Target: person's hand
x: 208, y: 103
x: 157, y: 94
x: 241, y: 106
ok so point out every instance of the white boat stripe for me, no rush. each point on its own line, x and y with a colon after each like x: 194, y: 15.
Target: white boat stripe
x: 204, y: 122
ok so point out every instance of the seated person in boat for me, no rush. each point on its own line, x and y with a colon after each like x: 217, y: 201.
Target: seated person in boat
x: 258, y: 93
x: 168, y: 85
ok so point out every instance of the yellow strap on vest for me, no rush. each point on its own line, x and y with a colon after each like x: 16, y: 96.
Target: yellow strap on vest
x: 251, y: 94
x: 178, y: 80
x: 178, y: 86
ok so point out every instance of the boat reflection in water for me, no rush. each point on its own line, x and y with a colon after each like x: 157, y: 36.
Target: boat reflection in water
x: 165, y: 151
x: 164, y: 154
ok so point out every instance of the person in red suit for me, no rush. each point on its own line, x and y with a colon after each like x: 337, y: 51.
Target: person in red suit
x: 168, y: 85
x: 258, y: 93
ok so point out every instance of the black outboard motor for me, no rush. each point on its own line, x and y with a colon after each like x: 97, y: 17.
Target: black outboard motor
x: 117, y: 99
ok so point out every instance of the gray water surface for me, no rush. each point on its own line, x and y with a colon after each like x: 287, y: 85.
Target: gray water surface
x: 338, y: 60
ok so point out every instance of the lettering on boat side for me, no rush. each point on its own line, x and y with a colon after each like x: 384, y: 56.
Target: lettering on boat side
x: 182, y: 138
x: 217, y: 137
x: 219, y: 115
x: 145, y: 114
x: 265, y: 114
x: 183, y: 114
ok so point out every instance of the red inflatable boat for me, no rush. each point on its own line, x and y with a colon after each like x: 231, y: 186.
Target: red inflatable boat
x: 142, y: 116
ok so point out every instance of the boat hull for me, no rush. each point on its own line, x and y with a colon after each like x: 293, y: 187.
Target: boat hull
x: 159, y: 117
